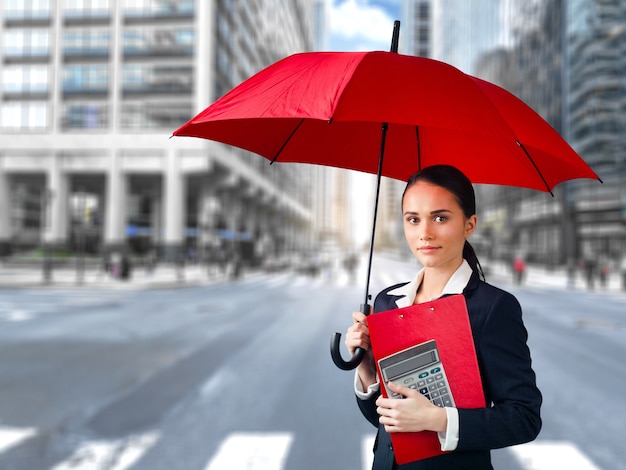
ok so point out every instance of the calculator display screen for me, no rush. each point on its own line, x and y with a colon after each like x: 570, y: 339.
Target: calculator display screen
x: 411, y: 364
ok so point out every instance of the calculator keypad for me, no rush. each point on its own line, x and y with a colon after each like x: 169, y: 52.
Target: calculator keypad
x: 431, y: 383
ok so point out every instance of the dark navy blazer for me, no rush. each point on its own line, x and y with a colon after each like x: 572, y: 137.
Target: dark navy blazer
x: 513, y: 399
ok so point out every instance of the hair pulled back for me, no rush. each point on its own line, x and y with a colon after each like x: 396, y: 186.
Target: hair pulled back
x: 455, y: 181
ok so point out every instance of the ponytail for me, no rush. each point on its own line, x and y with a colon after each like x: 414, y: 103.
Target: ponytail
x: 470, y: 256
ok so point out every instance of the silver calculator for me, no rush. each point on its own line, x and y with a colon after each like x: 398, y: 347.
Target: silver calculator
x: 420, y: 368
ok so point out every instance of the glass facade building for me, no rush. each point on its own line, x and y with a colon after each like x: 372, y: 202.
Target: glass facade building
x: 566, y: 59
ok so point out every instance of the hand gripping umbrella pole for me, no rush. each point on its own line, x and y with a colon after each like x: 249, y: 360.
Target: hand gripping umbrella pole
x: 335, y: 338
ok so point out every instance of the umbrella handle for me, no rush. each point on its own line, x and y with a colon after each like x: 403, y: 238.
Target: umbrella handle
x: 354, y: 361
x: 359, y: 353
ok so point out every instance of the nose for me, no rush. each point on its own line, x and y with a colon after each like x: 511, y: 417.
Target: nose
x: 425, y: 231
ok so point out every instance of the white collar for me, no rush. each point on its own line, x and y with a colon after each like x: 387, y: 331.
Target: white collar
x: 455, y: 285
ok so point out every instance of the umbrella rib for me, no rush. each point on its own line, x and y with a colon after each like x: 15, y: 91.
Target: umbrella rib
x: 536, y: 167
x: 282, y: 147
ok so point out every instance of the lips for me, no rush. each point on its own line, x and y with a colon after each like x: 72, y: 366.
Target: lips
x: 428, y: 249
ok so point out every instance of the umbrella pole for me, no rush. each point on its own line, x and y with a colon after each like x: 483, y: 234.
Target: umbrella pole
x: 335, y: 338
x: 365, y: 306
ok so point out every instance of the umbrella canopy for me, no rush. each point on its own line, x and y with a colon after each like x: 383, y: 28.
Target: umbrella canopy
x: 326, y: 108
x: 388, y: 114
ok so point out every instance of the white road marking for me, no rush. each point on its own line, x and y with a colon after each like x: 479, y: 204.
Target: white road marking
x: 268, y: 451
x: 117, y: 454
x: 367, y: 451
x: 548, y: 455
x: 252, y: 451
x: 10, y: 437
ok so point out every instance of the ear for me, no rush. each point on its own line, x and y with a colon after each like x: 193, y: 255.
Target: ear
x: 470, y: 225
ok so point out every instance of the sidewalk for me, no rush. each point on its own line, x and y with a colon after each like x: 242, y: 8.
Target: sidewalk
x: 553, y: 278
x: 169, y: 275
x: 165, y: 275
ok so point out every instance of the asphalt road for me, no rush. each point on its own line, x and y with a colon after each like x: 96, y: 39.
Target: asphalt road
x: 238, y: 375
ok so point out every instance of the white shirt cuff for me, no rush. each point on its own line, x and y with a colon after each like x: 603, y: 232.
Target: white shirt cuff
x: 450, y: 439
x: 358, y: 388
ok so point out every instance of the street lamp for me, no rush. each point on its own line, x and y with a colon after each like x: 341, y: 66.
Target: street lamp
x: 81, y: 227
x: 46, y: 198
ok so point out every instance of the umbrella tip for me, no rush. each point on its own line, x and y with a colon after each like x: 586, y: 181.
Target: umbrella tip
x: 395, y: 38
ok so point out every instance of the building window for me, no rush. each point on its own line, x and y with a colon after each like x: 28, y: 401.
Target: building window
x: 159, y: 41
x: 84, y: 116
x: 85, y: 78
x: 24, y: 116
x: 139, y: 8
x: 87, y: 42
x: 26, y: 43
x: 164, y: 115
x: 87, y: 8
x: 26, y: 9
x: 148, y: 78
x: 424, y: 12
x: 18, y: 79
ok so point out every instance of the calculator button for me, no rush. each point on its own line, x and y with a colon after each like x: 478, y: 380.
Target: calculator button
x: 430, y: 380
x: 424, y: 391
x: 423, y: 374
x: 438, y: 402
x: 446, y: 400
x: 435, y: 370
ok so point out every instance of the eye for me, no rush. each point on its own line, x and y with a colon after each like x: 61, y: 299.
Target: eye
x: 440, y: 218
x: 412, y: 220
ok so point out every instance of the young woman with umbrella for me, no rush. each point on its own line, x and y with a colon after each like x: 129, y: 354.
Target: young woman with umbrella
x: 439, y: 212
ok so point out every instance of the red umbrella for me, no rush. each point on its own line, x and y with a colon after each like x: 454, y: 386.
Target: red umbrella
x: 328, y: 108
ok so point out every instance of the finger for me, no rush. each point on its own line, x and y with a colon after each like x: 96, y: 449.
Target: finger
x: 401, y: 389
x: 359, y: 317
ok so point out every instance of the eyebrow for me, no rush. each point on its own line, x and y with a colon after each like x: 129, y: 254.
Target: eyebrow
x: 435, y: 212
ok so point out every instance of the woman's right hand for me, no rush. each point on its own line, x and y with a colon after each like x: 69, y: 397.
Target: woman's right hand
x: 358, y: 336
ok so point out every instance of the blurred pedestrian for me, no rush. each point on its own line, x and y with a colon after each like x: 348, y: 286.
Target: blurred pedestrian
x: 350, y: 263
x: 439, y: 212
x: 603, y: 272
x: 589, y: 268
x: 519, y: 269
x: 125, y: 267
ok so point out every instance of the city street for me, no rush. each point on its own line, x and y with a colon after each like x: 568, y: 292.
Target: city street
x: 237, y: 375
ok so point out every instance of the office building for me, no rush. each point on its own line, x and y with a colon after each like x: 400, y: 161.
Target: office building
x: 596, y: 122
x: 565, y: 58
x: 90, y: 93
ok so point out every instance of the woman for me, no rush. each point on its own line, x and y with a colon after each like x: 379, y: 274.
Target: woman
x: 439, y: 213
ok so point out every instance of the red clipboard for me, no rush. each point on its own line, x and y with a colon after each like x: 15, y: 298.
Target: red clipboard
x: 446, y: 321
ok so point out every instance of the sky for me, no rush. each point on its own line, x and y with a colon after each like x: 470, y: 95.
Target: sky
x: 362, y: 25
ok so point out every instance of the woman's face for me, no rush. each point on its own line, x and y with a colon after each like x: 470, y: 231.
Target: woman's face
x: 435, y: 226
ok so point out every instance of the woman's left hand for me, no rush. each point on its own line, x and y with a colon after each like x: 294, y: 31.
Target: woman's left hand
x: 414, y: 413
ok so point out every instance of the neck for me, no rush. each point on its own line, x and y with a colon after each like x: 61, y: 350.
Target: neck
x: 433, y: 282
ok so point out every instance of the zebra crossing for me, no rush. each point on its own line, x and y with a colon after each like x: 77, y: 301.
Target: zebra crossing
x: 269, y: 451
x: 240, y: 450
